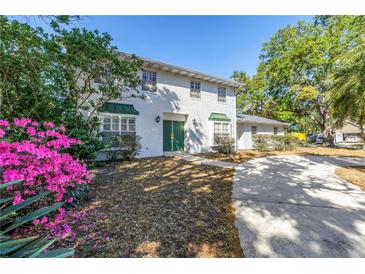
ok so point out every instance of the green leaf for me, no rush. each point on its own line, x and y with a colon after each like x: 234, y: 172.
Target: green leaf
x: 40, y: 249
x: 10, y: 184
x: 12, y: 209
x: 13, y: 245
x: 5, y: 200
x: 58, y: 253
x: 29, y: 248
x: 27, y: 218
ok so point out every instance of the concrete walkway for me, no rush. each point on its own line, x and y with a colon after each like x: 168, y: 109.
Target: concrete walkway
x: 295, y: 206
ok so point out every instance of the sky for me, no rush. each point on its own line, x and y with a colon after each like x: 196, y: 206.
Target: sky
x: 217, y: 45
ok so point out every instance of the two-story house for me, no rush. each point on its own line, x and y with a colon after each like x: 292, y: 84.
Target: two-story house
x: 182, y: 111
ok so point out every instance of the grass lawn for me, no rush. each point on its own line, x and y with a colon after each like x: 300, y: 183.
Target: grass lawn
x: 158, y: 207
x: 244, y: 155
x: 354, y: 175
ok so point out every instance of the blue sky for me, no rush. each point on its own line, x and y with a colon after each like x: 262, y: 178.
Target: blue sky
x: 216, y: 45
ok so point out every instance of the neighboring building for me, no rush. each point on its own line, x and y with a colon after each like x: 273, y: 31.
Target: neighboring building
x: 350, y: 132
x: 249, y: 125
x: 183, y: 111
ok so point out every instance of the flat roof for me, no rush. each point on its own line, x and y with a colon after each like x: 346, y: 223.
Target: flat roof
x: 253, y: 119
x: 156, y: 65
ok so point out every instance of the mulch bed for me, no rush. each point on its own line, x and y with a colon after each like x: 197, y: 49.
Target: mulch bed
x: 353, y: 174
x: 245, y: 155
x: 158, y: 207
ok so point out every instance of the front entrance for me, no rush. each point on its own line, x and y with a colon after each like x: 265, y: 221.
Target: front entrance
x: 173, y: 135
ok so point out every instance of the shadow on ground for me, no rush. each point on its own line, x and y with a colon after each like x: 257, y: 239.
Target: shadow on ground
x: 160, y: 207
x: 296, y: 207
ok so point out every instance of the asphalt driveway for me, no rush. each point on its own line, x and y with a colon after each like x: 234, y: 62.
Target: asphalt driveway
x: 295, y: 206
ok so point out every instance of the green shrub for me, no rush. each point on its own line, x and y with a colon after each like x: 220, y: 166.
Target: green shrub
x: 261, y: 142
x: 224, y: 144
x: 284, y: 142
x: 78, y: 128
x: 125, y: 148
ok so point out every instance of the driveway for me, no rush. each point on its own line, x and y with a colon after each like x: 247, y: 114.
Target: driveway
x: 295, y: 206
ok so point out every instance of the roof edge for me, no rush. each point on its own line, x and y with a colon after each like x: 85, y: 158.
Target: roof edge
x: 184, y: 71
x: 267, y: 122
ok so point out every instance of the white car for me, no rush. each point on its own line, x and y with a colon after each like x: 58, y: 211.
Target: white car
x: 352, y: 139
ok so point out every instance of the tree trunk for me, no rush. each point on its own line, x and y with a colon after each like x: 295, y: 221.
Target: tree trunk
x: 362, y: 134
x: 329, y: 136
x: 328, y: 131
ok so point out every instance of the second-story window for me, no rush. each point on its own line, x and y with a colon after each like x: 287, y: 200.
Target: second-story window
x: 149, y: 81
x: 221, y: 94
x: 195, y: 89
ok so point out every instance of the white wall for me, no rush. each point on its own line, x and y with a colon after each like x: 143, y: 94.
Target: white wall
x: 244, y: 137
x: 173, y: 96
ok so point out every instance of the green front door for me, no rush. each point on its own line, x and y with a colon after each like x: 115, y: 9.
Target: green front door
x: 173, y: 135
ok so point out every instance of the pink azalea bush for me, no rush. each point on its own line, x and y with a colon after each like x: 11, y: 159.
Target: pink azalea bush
x: 36, y: 153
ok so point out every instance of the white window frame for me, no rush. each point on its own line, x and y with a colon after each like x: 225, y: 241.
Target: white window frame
x: 149, y: 80
x: 229, y: 129
x: 195, y: 90
x: 104, y: 115
x: 222, y: 94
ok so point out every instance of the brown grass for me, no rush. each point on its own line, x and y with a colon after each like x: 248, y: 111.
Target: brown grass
x: 353, y: 175
x: 159, y: 207
x: 245, y: 155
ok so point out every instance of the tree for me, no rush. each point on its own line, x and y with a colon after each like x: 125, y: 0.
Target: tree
x: 349, y: 85
x: 50, y: 76
x: 252, y: 95
x: 297, y: 62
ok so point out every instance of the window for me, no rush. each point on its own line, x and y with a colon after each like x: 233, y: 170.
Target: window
x: 105, y: 75
x: 114, y: 126
x: 222, y: 95
x: 149, y: 81
x: 275, y: 131
x: 195, y: 89
x: 221, y: 130
x: 253, y: 130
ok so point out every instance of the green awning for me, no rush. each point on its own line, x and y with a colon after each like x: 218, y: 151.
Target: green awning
x: 118, y: 108
x: 219, y: 117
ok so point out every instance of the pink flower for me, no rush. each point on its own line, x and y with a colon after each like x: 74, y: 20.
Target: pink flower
x: 38, y: 159
x: 21, y: 122
x: 4, y: 123
x: 2, y: 133
x: 44, y: 220
x: 62, y: 128
x: 31, y: 131
x: 18, y: 198
x: 48, y: 124
x: 36, y: 221
x: 41, y: 134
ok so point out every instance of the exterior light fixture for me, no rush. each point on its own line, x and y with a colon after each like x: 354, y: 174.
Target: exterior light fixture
x: 195, y: 123
x: 157, y: 119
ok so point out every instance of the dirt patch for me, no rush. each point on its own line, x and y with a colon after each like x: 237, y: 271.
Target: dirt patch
x: 159, y: 207
x: 245, y: 155
x: 353, y: 174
